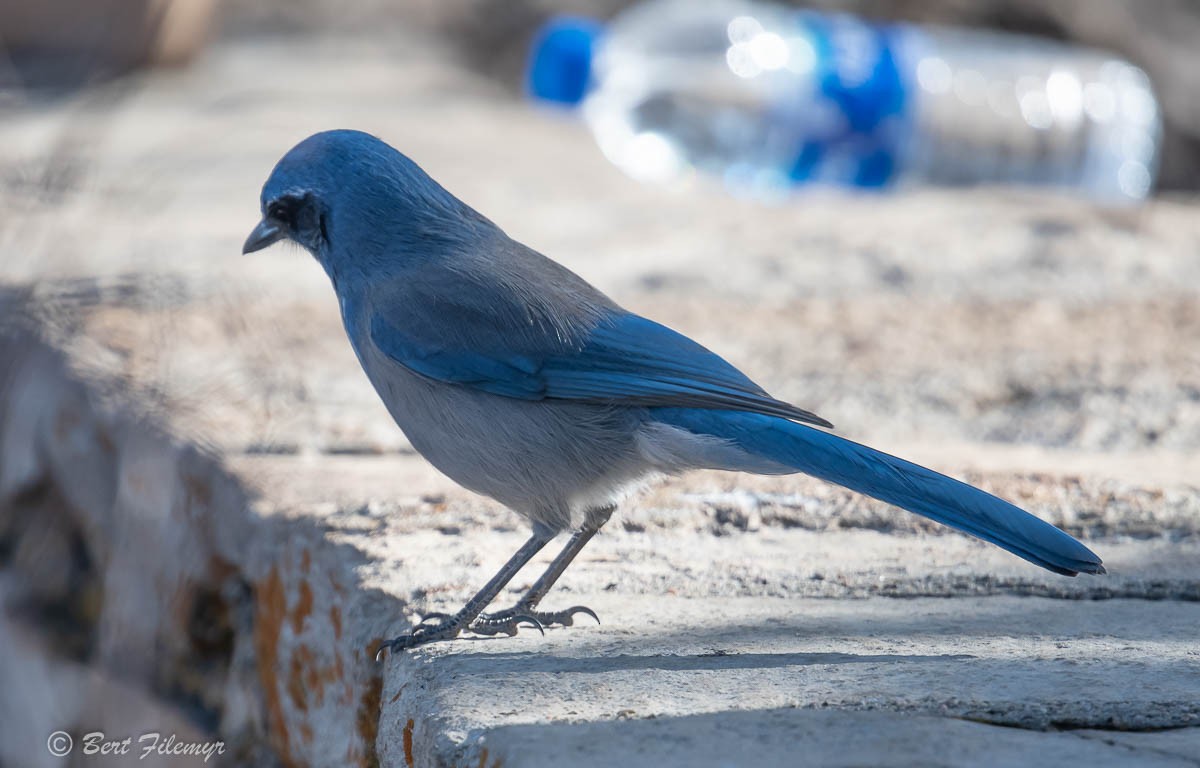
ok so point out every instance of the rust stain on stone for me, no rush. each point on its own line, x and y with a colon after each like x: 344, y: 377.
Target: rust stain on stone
x: 313, y: 678
x: 335, y: 618
x: 295, y: 681
x: 306, y: 733
x: 305, y: 562
x: 483, y: 756
x: 373, y: 647
x: 270, y: 612
x: 307, y: 679
x: 368, y: 711
x: 408, y: 738
x: 304, y: 607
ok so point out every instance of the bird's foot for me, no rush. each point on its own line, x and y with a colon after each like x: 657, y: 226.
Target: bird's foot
x: 432, y: 628
x: 435, y: 627
x: 508, y: 621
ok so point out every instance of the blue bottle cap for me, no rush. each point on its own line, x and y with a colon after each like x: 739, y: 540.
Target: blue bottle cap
x: 560, y: 60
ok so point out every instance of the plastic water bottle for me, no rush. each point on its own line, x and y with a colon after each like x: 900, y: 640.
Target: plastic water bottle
x: 770, y: 98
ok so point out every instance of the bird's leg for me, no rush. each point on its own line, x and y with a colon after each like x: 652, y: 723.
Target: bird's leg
x: 508, y: 620
x: 451, y: 626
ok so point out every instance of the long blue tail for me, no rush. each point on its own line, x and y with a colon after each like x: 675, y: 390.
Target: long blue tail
x: 887, y: 478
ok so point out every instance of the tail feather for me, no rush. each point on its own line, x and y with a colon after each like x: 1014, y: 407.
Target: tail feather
x: 798, y: 448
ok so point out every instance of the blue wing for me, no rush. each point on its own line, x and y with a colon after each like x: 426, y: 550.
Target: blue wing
x: 623, y: 358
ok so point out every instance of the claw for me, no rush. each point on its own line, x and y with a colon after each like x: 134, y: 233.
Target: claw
x: 529, y: 620
x: 567, y: 617
x: 390, y: 646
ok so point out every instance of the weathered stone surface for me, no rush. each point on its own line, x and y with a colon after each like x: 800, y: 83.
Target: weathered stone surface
x: 143, y: 559
x: 789, y: 737
x: 715, y: 679
x: 203, y: 504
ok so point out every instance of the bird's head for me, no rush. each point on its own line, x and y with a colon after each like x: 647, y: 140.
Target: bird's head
x: 358, y: 205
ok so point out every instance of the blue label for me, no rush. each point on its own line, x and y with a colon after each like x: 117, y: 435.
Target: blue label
x: 857, y: 72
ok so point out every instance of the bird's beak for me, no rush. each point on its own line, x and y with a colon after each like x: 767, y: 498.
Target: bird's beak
x: 266, y: 233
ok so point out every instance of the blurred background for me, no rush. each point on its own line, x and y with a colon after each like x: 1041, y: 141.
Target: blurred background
x: 493, y: 38
x: 976, y: 251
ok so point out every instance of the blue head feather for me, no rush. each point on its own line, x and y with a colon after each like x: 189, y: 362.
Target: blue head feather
x: 361, y: 207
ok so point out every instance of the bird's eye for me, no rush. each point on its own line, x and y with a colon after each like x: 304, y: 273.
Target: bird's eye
x: 279, y: 212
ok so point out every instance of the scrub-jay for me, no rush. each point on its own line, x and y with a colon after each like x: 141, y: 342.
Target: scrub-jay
x: 522, y: 382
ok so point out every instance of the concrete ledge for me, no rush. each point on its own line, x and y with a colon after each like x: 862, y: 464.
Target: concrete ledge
x: 708, y: 680
x: 790, y: 737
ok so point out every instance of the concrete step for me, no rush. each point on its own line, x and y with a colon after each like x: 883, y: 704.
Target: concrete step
x: 762, y: 681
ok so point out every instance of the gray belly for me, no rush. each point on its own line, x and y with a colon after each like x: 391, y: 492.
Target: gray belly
x: 549, y: 461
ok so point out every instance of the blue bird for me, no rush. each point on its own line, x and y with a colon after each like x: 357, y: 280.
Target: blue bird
x: 522, y: 382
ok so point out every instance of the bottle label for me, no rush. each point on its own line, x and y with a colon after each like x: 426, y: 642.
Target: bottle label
x: 862, y: 93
